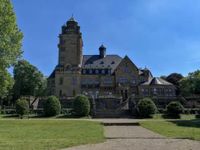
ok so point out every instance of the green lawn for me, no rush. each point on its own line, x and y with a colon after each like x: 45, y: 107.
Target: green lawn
x: 176, y: 129
x: 43, y: 134
x: 183, y: 116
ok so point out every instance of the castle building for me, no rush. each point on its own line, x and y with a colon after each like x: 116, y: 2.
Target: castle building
x: 100, y: 74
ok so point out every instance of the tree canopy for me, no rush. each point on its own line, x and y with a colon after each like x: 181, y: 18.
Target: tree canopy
x: 10, y: 35
x: 190, y: 85
x: 6, y: 83
x: 174, y: 78
x: 10, y: 45
x: 28, y: 80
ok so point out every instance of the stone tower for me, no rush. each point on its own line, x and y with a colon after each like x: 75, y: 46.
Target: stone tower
x: 70, y: 44
x: 68, y: 70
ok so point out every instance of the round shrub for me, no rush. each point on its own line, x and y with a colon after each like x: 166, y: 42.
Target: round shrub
x: 52, y: 106
x: 22, y: 107
x: 146, y: 108
x: 174, y: 109
x: 81, y: 106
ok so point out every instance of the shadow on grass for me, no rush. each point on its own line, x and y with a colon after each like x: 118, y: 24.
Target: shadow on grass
x: 187, y: 123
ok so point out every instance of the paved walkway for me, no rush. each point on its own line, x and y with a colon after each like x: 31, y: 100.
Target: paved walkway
x: 137, y: 138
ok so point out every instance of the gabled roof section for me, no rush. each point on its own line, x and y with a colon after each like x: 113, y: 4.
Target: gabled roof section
x: 52, y: 75
x: 95, y: 62
x: 156, y: 81
x: 126, y: 58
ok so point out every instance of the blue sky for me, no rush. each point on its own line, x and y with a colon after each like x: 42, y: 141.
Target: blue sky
x: 163, y: 35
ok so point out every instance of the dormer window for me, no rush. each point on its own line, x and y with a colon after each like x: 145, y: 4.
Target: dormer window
x: 97, y: 71
x: 112, y: 62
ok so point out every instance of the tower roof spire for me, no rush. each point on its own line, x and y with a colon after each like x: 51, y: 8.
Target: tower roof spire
x: 72, y: 18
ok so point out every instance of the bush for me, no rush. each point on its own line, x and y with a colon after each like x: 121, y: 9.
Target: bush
x: 81, y: 106
x: 52, y: 106
x: 174, y: 109
x: 146, y: 108
x: 22, y: 107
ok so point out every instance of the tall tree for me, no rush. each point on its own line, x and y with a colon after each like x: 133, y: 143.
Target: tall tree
x: 174, y: 78
x: 10, y: 45
x: 10, y: 35
x: 190, y: 85
x: 6, y: 83
x: 28, y: 80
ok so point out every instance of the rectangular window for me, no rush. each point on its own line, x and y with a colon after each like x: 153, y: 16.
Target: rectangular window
x: 97, y: 71
x: 126, y: 70
x: 74, y: 81
x: 90, y: 71
x: 109, y: 71
x: 60, y: 93
x: 61, y: 81
x: 103, y: 71
x: 107, y: 81
x: 122, y: 80
x: 84, y: 71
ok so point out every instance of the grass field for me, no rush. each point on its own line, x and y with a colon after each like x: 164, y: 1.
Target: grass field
x: 183, y: 116
x: 176, y: 129
x: 44, y: 134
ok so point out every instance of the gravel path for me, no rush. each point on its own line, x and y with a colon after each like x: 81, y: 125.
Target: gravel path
x: 138, y: 138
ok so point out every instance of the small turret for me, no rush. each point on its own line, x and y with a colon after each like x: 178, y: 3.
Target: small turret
x: 102, y: 51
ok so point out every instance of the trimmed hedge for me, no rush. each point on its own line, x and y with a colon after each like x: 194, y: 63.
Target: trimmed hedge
x: 174, y: 109
x: 146, y: 108
x: 52, y: 106
x: 81, y: 106
x: 22, y: 107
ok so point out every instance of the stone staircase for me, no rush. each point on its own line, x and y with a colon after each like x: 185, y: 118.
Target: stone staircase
x: 120, y: 110
x: 111, y: 114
